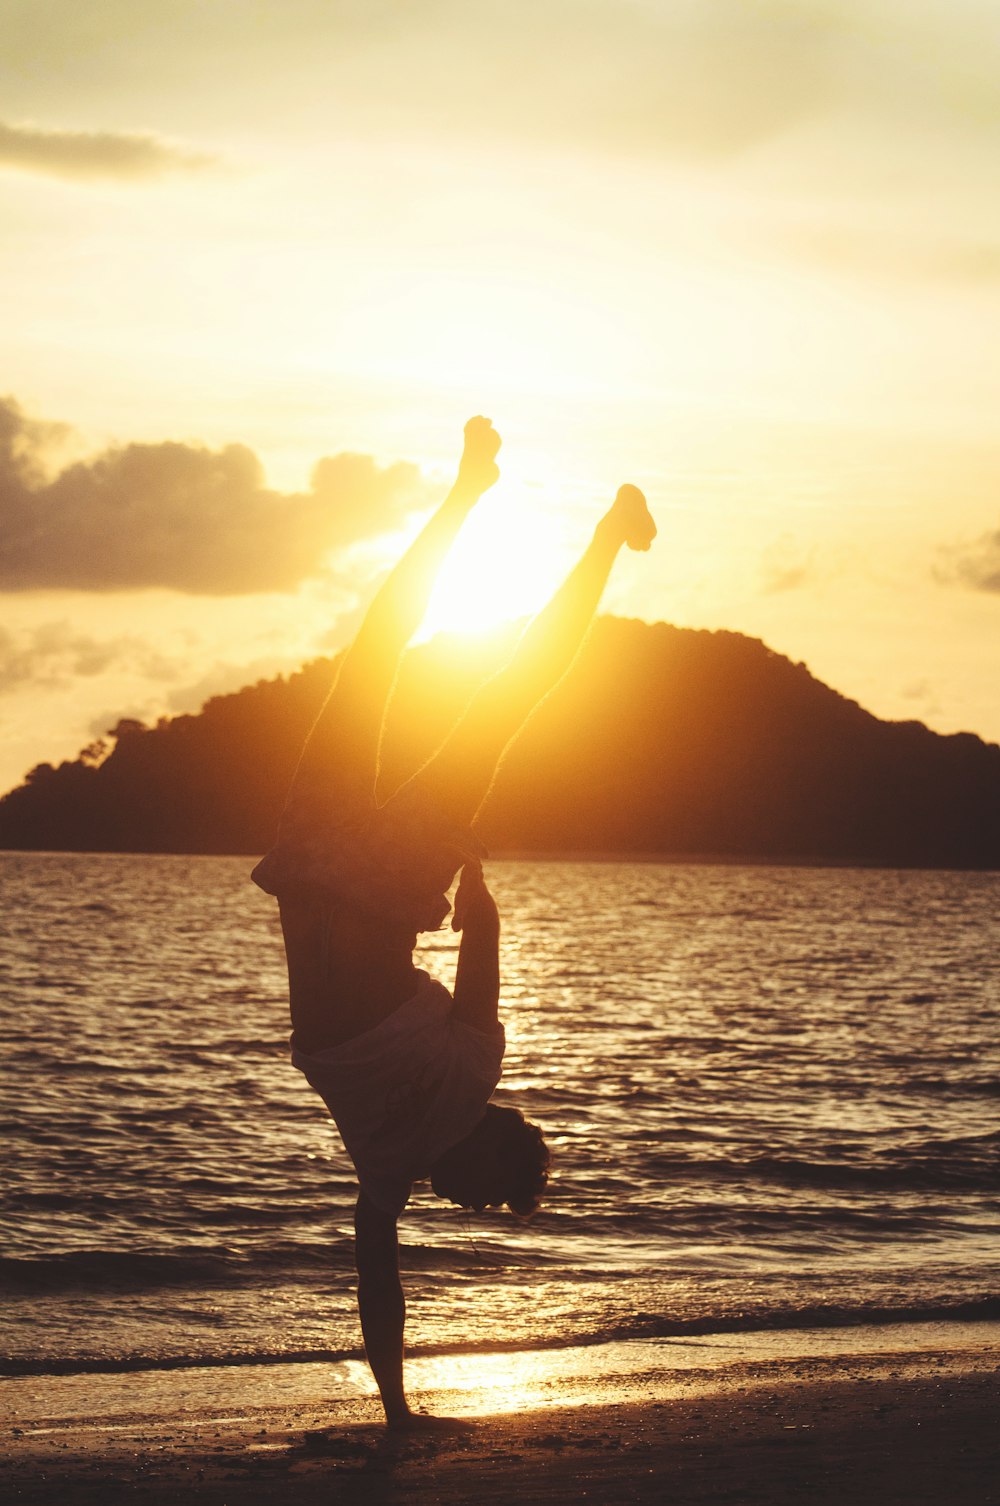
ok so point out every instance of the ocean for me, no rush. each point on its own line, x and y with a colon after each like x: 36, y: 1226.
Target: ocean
x: 771, y: 1094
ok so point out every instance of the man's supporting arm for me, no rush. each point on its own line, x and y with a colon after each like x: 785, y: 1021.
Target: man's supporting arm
x: 381, y: 1305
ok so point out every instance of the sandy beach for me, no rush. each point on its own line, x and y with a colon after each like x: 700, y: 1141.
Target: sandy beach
x: 905, y: 1414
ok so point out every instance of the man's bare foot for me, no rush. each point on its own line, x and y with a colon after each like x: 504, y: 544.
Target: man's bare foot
x: 478, y: 469
x: 633, y: 518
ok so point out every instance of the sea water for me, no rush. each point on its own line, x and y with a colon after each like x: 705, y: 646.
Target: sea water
x: 771, y: 1096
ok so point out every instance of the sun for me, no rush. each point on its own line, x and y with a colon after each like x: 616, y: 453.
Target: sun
x: 505, y: 564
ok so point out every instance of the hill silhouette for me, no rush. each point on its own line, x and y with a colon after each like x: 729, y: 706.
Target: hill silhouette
x: 659, y: 740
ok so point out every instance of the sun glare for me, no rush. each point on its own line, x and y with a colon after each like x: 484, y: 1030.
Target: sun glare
x: 507, y: 561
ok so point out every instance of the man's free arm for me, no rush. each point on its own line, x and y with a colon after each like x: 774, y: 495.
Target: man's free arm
x: 477, y: 977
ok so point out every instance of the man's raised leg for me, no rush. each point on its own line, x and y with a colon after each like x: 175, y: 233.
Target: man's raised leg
x: 342, y: 748
x: 459, y: 775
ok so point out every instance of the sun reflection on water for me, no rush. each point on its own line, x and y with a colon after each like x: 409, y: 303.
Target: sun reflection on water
x: 480, y: 1385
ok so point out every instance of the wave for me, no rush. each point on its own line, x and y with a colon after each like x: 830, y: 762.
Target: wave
x: 97, y: 1270
x: 224, y: 1266
x: 643, y: 1325
x: 956, y: 1086
x: 970, y: 1163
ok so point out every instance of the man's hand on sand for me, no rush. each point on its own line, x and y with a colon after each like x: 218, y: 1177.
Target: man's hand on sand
x: 478, y: 469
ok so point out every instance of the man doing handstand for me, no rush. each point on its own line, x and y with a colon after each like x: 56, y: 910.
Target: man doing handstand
x: 406, y: 1068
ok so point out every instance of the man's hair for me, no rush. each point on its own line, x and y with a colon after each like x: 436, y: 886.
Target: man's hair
x: 526, y: 1154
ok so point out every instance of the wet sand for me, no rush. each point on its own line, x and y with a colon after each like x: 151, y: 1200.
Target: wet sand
x: 868, y: 1415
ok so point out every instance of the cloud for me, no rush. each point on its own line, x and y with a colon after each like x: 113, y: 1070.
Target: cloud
x: 776, y: 580
x: 688, y: 79
x: 693, y: 80
x: 893, y: 254
x: 786, y: 565
x: 26, y: 445
x: 690, y: 76
x: 224, y: 677
x: 182, y: 516
x: 924, y: 694
x: 979, y: 567
x: 54, y: 654
x: 83, y: 155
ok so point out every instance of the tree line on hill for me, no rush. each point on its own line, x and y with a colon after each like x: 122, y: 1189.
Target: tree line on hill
x: 659, y: 740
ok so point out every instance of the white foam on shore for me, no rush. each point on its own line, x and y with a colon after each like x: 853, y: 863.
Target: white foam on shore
x: 479, y: 1385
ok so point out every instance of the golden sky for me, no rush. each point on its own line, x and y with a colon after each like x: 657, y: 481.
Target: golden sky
x: 260, y: 261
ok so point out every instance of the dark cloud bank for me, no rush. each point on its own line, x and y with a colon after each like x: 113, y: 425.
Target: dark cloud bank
x: 181, y: 516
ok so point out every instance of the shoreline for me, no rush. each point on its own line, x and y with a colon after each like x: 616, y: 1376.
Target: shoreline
x: 837, y: 1324
x: 875, y: 1414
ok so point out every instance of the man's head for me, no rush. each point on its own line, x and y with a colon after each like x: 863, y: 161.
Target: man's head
x: 503, y: 1160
